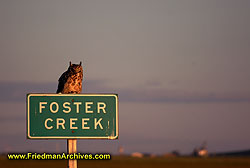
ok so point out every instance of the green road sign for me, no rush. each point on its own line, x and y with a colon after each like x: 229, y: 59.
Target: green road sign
x: 70, y: 116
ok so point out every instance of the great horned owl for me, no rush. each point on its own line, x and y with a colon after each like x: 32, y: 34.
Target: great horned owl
x: 71, y: 80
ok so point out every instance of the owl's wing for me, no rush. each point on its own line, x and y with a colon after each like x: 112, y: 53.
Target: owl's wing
x: 61, y: 82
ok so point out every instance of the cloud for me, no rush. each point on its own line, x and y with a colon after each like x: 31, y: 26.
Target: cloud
x: 16, y: 92
x: 177, y: 96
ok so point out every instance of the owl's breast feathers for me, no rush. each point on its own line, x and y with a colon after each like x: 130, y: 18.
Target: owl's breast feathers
x: 70, y: 83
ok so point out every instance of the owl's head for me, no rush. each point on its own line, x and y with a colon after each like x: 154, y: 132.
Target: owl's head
x: 75, y: 68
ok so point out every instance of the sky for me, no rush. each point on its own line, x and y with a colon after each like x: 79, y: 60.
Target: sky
x: 180, y: 68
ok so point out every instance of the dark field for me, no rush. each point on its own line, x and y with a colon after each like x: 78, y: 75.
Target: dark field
x: 219, y: 162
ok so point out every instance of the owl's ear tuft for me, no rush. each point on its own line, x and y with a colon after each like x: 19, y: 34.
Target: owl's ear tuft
x: 70, y: 63
x: 80, y: 63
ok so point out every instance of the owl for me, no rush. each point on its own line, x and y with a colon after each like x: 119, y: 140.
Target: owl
x: 71, y: 80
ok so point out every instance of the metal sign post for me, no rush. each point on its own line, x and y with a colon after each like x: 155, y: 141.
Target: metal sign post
x: 72, y: 148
